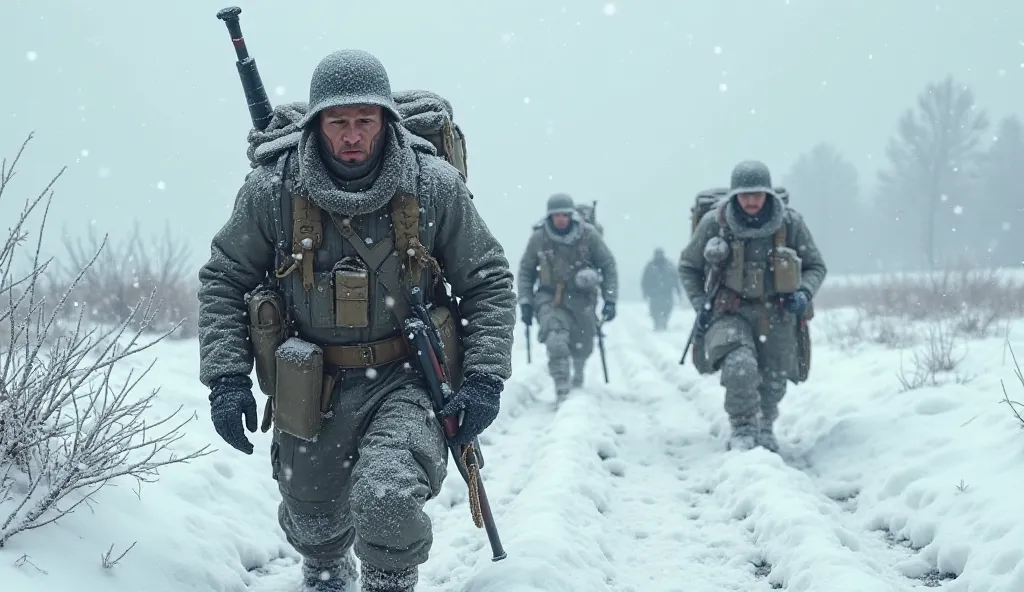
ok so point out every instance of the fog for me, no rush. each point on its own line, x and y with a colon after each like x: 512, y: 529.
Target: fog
x: 635, y: 104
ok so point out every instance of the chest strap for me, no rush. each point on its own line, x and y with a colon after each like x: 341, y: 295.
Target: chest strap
x: 367, y: 355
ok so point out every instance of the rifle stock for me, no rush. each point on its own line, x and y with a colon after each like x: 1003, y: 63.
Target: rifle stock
x: 600, y: 349
x: 529, y: 356
x: 425, y: 342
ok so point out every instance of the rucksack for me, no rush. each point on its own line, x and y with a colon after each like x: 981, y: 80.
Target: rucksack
x: 707, y: 199
x: 430, y: 116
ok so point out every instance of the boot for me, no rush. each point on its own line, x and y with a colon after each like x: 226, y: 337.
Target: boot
x: 380, y: 580
x: 744, y: 433
x: 765, y: 434
x: 329, y: 576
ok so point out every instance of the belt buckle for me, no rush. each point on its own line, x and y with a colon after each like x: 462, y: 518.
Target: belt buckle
x: 368, y: 355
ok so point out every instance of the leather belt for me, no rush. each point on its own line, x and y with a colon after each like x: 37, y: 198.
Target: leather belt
x: 367, y: 355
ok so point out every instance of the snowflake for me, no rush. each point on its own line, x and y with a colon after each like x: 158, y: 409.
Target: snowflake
x: 723, y: 87
x: 718, y: 50
x: 609, y: 9
x: 958, y: 210
x: 31, y: 56
x: 279, y: 90
x: 161, y: 185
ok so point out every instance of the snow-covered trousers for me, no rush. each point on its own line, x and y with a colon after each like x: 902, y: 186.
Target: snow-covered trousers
x: 366, y: 477
x: 568, y: 333
x: 755, y: 348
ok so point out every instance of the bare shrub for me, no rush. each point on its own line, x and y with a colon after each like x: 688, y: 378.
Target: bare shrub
x: 67, y: 428
x: 975, y: 299
x: 861, y: 328
x: 125, y: 273
x: 938, y: 356
x: 1016, y: 407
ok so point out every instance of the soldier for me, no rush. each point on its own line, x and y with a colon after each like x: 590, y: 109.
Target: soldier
x: 566, y: 260
x: 660, y: 287
x: 589, y: 213
x: 371, y: 211
x: 769, y: 270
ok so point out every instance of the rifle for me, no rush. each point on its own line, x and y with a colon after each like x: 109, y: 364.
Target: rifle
x: 426, y: 343
x: 711, y: 285
x: 600, y: 349
x: 255, y: 95
x: 529, y: 357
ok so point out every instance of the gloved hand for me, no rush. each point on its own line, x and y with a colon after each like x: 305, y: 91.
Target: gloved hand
x: 703, y: 322
x: 526, y: 312
x: 796, y: 302
x: 479, y: 398
x: 608, y: 312
x: 230, y: 399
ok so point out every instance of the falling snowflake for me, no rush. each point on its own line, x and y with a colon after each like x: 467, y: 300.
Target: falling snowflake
x: 279, y: 90
x: 161, y: 185
x: 31, y: 56
x: 958, y: 210
x: 389, y: 302
x: 943, y: 197
x: 84, y: 152
x: 609, y: 9
x: 1006, y: 226
x: 718, y: 50
x: 526, y: 100
x: 762, y: 338
x: 723, y: 87
x: 371, y: 373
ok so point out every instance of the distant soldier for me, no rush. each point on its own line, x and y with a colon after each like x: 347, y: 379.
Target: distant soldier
x: 589, y: 213
x: 768, y: 269
x: 660, y: 287
x: 565, y: 265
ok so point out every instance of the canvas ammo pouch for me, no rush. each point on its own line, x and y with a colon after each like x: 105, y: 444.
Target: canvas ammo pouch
x: 444, y: 322
x: 300, y: 387
x: 267, y: 331
x: 545, y: 275
x: 745, y: 278
x: 351, y: 294
x: 786, y: 265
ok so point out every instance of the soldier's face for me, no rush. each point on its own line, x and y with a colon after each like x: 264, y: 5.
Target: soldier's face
x: 561, y: 221
x: 352, y: 131
x: 752, y: 202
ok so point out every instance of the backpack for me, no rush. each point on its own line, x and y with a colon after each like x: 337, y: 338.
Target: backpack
x: 430, y: 116
x: 707, y: 199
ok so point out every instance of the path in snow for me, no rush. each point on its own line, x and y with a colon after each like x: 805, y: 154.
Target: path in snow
x: 802, y: 523
x: 626, y: 487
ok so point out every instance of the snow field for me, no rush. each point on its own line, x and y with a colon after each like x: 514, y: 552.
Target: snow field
x: 626, y: 487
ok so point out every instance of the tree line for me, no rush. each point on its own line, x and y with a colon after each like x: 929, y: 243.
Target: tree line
x: 948, y: 195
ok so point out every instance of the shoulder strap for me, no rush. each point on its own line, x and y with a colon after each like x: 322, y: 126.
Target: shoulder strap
x: 307, y: 236
x: 405, y: 218
x: 779, y: 239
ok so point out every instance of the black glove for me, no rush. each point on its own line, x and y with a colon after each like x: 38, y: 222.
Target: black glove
x: 608, y: 312
x: 704, y: 317
x: 479, y: 397
x: 230, y: 399
x: 796, y: 302
x: 526, y: 311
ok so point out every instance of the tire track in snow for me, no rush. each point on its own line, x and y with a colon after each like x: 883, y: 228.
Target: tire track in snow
x: 817, y: 509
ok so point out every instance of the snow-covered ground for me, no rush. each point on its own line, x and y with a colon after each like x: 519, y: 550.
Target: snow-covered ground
x: 625, y: 488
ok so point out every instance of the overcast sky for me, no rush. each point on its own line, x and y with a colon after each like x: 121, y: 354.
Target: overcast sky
x: 636, y: 104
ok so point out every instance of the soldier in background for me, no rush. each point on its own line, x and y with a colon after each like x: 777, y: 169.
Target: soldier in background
x: 660, y: 287
x: 565, y: 265
x: 749, y: 322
